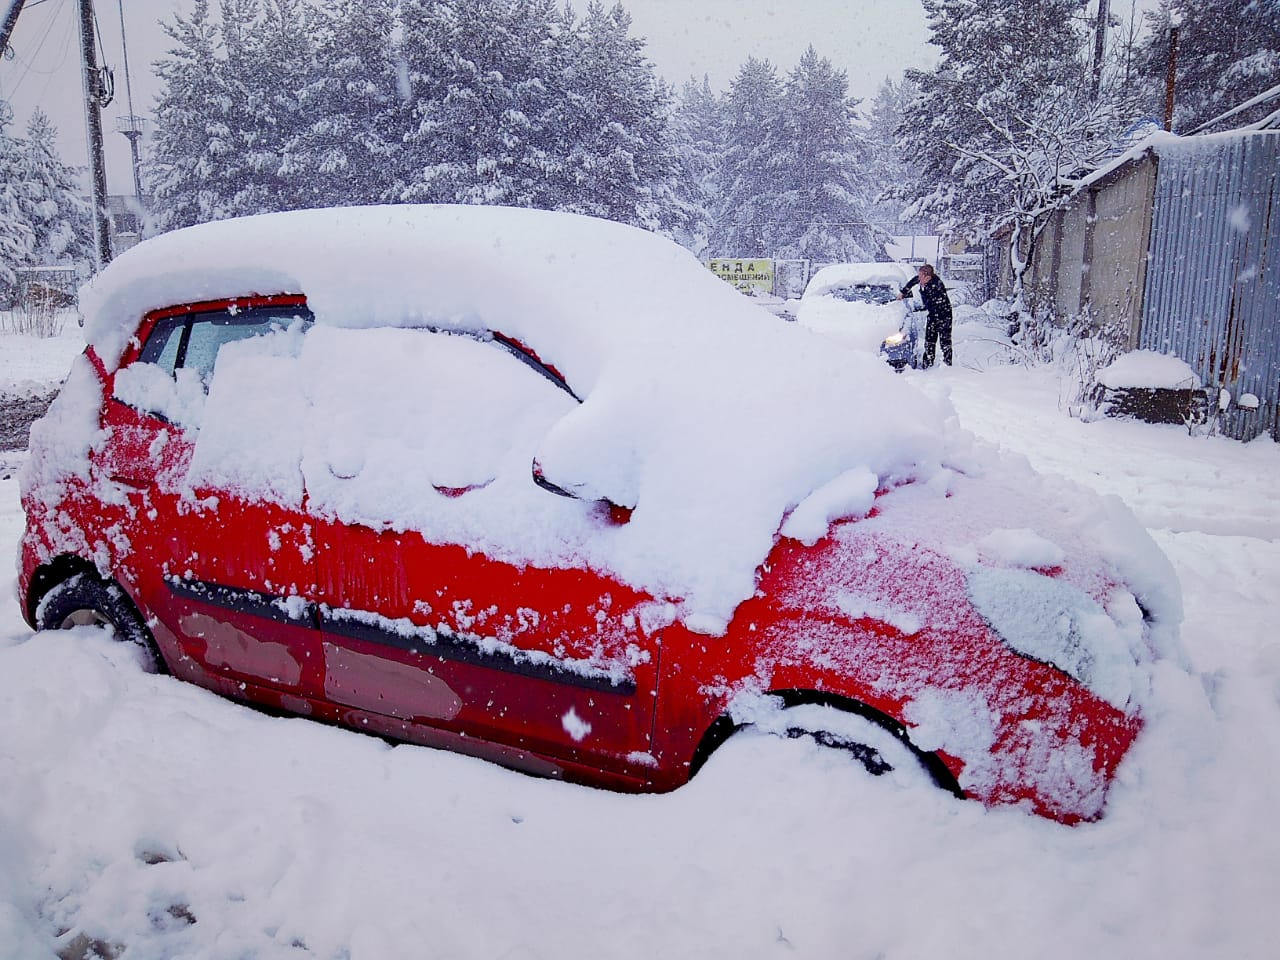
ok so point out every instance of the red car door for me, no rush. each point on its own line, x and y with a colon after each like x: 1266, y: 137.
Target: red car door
x: 230, y: 578
x: 424, y: 632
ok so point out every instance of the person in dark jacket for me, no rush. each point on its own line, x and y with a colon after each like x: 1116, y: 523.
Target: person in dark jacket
x: 938, y: 328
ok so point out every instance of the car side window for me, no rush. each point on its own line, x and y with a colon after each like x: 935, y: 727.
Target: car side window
x: 170, y: 377
x: 162, y: 346
x: 210, y: 332
x: 192, y: 342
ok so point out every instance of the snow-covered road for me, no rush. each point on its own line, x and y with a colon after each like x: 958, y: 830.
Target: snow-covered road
x: 142, y: 812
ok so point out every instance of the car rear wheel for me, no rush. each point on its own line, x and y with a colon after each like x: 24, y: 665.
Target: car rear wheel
x: 87, y: 601
x: 871, y: 739
x: 868, y: 744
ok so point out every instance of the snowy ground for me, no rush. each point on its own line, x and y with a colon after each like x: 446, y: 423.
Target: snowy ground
x: 139, y: 811
x: 30, y: 365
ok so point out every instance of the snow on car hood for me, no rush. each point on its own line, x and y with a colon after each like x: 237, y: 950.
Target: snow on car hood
x: 706, y: 414
x: 862, y: 326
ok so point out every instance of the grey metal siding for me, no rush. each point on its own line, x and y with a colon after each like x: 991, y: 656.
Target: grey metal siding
x: 1213, y: 281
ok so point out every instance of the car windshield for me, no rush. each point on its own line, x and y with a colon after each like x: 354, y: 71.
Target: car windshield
x: 865, y: 293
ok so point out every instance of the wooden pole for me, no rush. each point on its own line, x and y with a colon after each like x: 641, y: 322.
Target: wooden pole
x: 93, y: 124
x: 1170, y: 78
x: 1100, y: 44
x: 10, y: 18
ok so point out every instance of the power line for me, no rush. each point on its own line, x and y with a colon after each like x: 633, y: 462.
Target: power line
x: 29, y: 67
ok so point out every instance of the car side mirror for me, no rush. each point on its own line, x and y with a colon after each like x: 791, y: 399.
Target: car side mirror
x: 613, y: 512
x: 541, y: 480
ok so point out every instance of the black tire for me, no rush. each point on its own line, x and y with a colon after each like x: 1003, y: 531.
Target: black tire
x: 875, y: 748
x: 85, y: 600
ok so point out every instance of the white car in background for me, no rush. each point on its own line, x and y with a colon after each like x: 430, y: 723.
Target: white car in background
x: 856, y: 302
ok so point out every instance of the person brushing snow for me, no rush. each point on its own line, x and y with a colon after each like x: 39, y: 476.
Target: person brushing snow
x: 938, y: 328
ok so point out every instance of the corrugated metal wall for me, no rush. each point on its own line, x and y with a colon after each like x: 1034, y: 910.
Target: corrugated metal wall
x: 1213, y: 277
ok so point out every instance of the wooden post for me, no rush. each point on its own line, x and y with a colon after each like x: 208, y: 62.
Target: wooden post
x: 93, y: 125
x: 1100, y: 44
x: 10, y: 18
x: 1170, y: 78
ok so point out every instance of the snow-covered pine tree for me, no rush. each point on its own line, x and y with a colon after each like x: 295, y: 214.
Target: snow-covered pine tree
x: 1228, y: 53
x: 821, y: 191
x: 1002, y: 61
x: 192, y: 138
x: 619, y: 162
x: 228, y: 108
x: 267, y: 60
x: 17, y: 239
x: 345, y: 149
x: 1005, y: 131
x: 58, y: 215
x: 697, y: 133
x: 481, y: 75
x: 753, y: 109
x: 887, y: 169
x: 280, y: 62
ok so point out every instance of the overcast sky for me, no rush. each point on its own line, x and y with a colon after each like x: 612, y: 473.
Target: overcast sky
x: 868, y: 39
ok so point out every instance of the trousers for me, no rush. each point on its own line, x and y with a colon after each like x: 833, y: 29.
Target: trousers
x: 937, y: 332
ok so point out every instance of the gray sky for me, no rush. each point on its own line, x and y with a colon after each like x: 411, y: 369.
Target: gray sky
x: 868, y: 39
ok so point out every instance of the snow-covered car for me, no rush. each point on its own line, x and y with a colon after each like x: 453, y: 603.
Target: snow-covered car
x: 855, y: 302
x: 435, y: 473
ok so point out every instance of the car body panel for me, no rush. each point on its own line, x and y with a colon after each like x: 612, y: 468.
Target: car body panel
x: 299, y: 600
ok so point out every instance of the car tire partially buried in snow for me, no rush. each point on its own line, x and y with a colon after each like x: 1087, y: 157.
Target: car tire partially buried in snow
x: 869, y: 738
x: 85, y: 600
x: 867, y: 743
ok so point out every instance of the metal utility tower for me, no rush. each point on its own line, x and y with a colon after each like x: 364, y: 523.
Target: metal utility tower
x: 132, y: 126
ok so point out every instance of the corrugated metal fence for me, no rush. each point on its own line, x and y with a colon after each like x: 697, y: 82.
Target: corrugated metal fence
x: 1213, y: 280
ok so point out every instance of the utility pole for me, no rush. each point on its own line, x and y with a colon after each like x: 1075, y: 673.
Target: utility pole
x: 1171, y: 75
x: 1100, y: 44
x: 6, y: 27
x: 93, y: 123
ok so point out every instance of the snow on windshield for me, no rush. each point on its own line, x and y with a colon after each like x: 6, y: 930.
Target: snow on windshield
x: 700, y: 410
x: 838, y: 275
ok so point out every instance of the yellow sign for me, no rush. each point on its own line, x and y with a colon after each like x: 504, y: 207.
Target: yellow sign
x: 749, y: 276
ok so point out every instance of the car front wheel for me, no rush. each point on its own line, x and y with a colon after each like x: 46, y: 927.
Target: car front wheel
x: 85, y: 600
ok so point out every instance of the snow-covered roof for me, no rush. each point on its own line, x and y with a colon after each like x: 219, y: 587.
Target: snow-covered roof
x: 559, y: 278
x: 1163, y: 143
x: 848, y: 274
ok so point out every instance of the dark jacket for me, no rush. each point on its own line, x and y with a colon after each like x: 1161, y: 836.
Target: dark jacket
x: 934, y: 295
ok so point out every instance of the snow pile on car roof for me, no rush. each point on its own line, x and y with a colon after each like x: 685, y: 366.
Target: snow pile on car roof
x: 838, y: 275
x: 715, y: 421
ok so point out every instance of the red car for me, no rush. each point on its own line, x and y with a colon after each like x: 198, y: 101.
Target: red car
x: 296, y: 482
